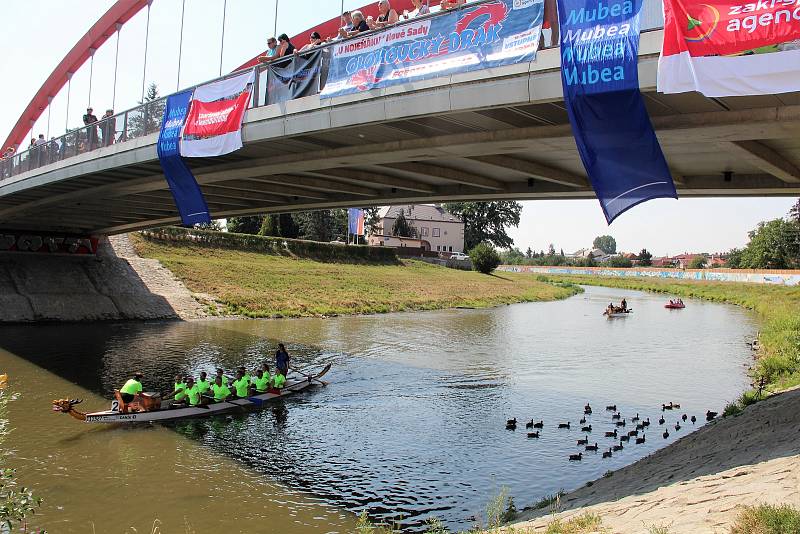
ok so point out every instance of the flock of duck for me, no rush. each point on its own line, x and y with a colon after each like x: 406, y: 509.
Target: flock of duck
x: 619, y: 431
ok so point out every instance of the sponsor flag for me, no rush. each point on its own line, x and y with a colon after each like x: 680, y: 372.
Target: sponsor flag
x: 502, y: 32
x: 599, y: 74
x: 355, y: 219
x: 187, y: 194
x: 214, y: 123
x: 730, y: 47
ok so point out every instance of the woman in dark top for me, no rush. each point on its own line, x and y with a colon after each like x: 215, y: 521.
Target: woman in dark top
x: 286, y: 48
x: 282, y: 359
x: 359, y: 25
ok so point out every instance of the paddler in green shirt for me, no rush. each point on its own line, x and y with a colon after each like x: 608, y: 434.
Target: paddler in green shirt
x: 241, y: 385
x: 245, y: 374
x: 203, y: 385
x: 278, y: 381
x: 179, y: 393
x: 193, y: 393
x: 221, y: 391
x: 221, y: 374
x: 131, y: 391
x: 261, y: 382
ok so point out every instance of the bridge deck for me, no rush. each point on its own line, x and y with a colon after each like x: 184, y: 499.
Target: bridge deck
x: 498, y: 134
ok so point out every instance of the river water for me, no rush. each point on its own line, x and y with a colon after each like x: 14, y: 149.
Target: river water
x: 412, y: 424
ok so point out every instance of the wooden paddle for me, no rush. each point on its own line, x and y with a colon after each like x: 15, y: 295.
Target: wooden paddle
x: 308, y: 376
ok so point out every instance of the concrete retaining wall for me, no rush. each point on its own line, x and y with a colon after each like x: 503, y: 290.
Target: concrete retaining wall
x: 785, y: 278
x: 90, y: 288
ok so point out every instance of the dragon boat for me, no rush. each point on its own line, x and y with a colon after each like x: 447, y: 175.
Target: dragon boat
x: 175, y: 411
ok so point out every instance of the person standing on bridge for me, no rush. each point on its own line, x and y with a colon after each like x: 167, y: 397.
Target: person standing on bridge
x: 88, y: 120
x: 286, y: 47
x: 108, y: 127
x: 359, y: 26
x: 421, y: 7
x: 386, y: 16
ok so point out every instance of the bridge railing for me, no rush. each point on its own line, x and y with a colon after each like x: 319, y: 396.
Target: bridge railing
x: 146, y: 118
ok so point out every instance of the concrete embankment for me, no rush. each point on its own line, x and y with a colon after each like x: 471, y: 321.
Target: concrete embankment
x: 113, y: 285
x: 698, y: 484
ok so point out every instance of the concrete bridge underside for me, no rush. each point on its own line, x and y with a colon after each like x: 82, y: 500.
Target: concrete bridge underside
x: 501, y: 134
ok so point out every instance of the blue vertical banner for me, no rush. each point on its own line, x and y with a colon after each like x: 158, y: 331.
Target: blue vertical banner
x: 355, y: 221
x: 187, y: 194
x: 599, y: 73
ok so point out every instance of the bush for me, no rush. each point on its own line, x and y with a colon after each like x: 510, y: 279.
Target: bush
x: 767, y: 519
x: 485, y: 258
x: 325, y: 252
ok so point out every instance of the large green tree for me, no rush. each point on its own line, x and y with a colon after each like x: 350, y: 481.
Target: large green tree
x: 606, y: 243
x: 401, y: 227
x: 245, y: 225
x: 645, y: 258
x: 773, y: 245
x: 322, y: 225
x: 486, y: 222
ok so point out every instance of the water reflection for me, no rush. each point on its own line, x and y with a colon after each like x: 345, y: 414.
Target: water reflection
x: 413, y: 421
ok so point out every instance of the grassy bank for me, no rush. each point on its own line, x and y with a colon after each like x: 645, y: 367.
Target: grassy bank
x: 778, y: 363
x: 256, y: 284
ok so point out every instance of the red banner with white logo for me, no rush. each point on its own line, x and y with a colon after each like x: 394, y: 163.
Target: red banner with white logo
x: 214, y: 122
x: 730, y: 48
x: 207, y: 119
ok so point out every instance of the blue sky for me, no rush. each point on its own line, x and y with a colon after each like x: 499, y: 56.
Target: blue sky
x: 36, y: 35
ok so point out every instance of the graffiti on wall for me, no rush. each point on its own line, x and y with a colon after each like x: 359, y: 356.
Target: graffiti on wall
x: 47, y: 244
x: 784, y: 278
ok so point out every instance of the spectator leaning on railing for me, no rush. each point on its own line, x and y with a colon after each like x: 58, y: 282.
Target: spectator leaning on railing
x: 451, y: 4
x: 315, y: 40
x: 348, y: 22
x: 421, y: 7
x: 386, y: 16
x: 286, y: 48
x: 359, y: 25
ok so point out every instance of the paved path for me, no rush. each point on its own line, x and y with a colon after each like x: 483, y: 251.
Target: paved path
x: 158, y: 279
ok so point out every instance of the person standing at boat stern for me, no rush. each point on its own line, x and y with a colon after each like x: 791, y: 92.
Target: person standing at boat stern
x: 282, y: 360
x: 624, y: 304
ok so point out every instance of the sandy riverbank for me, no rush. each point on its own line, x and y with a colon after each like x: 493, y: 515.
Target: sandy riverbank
x: 696, y: 484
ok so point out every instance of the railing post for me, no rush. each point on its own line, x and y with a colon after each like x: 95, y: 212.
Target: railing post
x: 256, y: 87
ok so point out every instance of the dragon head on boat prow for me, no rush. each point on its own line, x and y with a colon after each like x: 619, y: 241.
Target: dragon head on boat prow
x: 67, y: 406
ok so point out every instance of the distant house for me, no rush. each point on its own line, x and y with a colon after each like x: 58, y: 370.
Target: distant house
x: 663, y: 261
x: 436, y: 229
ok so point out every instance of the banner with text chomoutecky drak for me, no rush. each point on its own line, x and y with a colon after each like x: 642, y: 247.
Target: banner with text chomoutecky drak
x: 599, y: 74
x: 487, y: 35
x: 214, y: 123
x: 730, y: 47
x: 187, y: 194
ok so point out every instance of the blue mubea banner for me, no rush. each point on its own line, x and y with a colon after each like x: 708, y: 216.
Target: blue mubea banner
x: 502, y: 32
x: 599, y: 73
x: 188, y: 198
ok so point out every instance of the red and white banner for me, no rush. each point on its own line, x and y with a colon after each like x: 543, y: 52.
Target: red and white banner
x: 730, y: 48
x: 213, y: 125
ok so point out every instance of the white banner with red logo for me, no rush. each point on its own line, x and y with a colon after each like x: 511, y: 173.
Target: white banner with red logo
x: 730, y: 48
x: 213, y: 124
